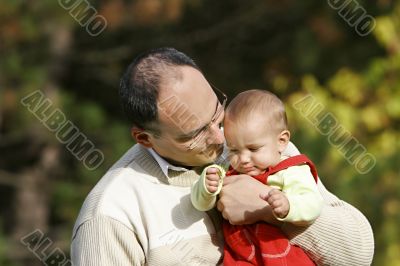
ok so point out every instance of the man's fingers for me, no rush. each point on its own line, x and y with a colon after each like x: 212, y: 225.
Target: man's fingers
x: 229, y: 180
x: 220, y: 206
x: 233, y: 178
x: 224, y: 215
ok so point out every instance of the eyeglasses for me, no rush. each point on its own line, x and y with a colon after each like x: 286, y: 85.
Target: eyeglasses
x: 203, y: 132
x: 192, y: 141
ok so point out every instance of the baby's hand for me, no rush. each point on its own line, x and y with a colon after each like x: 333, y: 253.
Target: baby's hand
x: 278, y: 202
x: 212, y: 179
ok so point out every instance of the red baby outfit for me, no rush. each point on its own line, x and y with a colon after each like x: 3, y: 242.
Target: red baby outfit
x: 262, y: 243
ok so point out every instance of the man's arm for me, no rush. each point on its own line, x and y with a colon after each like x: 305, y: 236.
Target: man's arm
x: 103, y: 241
x: 341, y: 235
x: 240, y: 202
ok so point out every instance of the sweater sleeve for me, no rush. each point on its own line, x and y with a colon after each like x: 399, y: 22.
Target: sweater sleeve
x: 103, y: 241
x: 340, y: 236
x: 302, y: 193
x: 201, y: 198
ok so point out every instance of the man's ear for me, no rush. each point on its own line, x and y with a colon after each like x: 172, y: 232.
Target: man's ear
x: 283, y: 140
x: 141, y: 137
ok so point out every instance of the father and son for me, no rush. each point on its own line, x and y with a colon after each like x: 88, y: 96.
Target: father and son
x: 193, y: 193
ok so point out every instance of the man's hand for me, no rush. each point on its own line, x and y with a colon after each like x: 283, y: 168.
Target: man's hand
x: 240, y: 203
x: 212, y: 179
x: 278, y: 202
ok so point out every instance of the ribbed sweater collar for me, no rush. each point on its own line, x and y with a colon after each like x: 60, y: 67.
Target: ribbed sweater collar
x: 175, y: 178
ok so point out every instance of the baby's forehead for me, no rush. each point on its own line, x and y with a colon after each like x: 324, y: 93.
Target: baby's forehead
x: 247, y: 134
x: 246, y: 127
x: 249, y: 119
x: 246, y: 111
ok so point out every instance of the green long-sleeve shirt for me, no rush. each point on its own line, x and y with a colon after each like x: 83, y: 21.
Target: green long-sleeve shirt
x: 296, y: 182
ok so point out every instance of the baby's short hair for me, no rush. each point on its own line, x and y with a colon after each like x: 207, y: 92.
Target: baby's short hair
x: 258, y: 102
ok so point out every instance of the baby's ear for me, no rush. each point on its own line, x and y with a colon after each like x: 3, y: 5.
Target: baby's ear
x: 283, y: 140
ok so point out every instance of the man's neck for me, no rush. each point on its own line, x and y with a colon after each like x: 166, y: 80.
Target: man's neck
x: 177, y: 164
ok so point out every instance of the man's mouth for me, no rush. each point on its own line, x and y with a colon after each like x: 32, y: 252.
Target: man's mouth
x: 212, y: 151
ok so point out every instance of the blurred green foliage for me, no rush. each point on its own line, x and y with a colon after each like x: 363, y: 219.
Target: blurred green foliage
x: 291, y: 48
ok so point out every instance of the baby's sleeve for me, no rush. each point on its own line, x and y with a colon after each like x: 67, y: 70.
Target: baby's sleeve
x: 302, y: 192
x: 201, y: 198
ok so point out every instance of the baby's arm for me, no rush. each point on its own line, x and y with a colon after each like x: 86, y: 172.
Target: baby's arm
x: 278, y: 202
x: 205, y: 190
x: 299, y: 202
x: 213, y: 179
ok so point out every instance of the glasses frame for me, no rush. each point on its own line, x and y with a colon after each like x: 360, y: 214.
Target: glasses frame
x: 203, y: 132
x: 199, y: 136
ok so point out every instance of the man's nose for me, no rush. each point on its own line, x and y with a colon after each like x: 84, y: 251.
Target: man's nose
x: 217, y: 135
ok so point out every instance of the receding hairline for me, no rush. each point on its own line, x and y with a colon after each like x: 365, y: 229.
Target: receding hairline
x: 140, y: 83
x: 167, y: 74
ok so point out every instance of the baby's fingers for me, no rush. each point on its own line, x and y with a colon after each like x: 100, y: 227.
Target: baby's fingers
x: 280, y: 212
x: 212, y: 170
x: 212, y: 186
x: 213, y: 177
x: 275, y: 199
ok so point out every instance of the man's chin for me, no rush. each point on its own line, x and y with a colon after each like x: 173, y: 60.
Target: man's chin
x: 210, y: 158
x: 194, y: 160
x: 214, y: 154
x: 207, y: 157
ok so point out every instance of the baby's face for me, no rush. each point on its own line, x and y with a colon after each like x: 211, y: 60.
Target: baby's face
x: 253, y: 148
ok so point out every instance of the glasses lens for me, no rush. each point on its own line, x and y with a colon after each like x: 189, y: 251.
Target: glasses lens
x: 202, y: 134
x: 206, y: 131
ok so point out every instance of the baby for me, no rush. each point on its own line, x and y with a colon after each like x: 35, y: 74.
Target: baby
x: 256, y: 132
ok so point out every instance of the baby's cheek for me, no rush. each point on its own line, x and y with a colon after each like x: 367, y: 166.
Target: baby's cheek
x: 262, y: 162
x: 233, y: 161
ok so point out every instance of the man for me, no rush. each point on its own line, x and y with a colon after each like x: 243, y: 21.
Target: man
x: 140, y: 211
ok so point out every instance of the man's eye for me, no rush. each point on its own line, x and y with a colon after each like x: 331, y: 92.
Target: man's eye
x: 198, y: 133
x: 186, y: 138
x: 190, y: 137
x: 254, y: 149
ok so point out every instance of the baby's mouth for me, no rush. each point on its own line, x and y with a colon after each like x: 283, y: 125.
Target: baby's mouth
x: 248, y: 168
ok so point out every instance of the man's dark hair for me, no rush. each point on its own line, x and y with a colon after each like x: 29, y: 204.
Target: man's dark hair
x: 140, y: 84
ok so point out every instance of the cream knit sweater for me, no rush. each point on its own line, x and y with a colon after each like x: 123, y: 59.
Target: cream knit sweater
x: 136, y: 215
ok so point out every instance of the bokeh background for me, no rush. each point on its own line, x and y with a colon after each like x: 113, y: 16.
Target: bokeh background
x: 293, y: 48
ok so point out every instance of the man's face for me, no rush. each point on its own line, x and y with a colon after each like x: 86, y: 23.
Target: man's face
x: 185, y: 108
